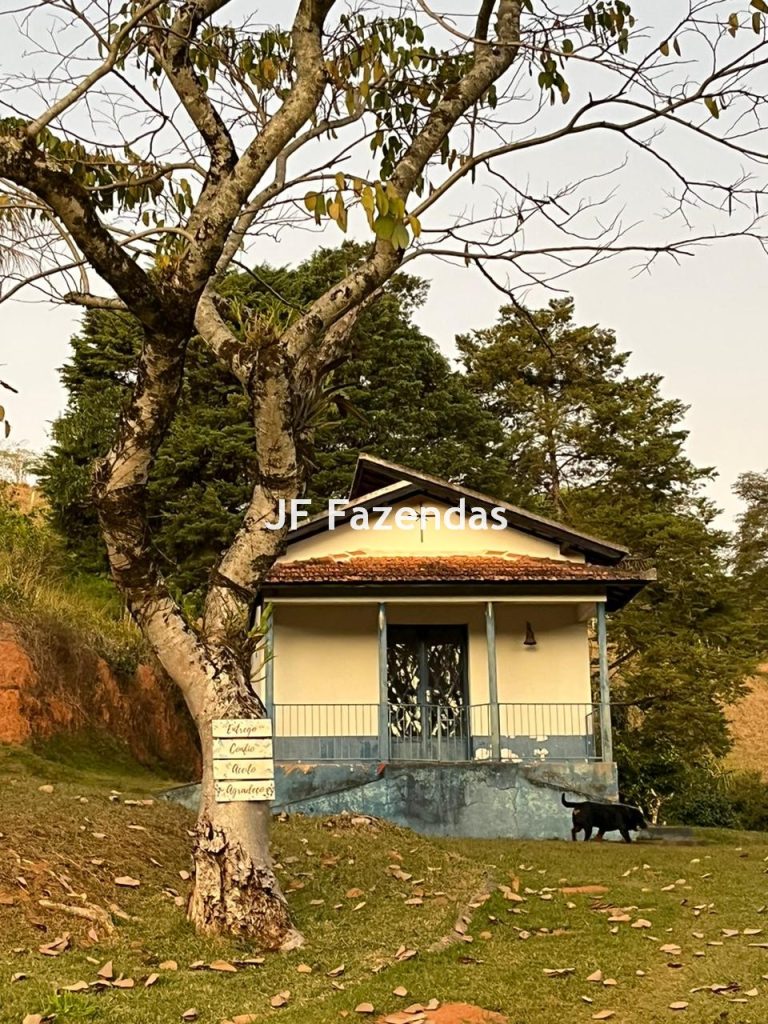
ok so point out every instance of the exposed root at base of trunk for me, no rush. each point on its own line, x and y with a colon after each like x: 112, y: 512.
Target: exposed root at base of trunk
x: 234, y: 895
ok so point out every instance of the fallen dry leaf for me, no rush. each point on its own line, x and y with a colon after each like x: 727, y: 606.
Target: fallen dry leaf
x: 595, y: 976
x: 678, y: 1006
x: 304, y: 969
x: 107, y: 971
x: 401, y: 991
x: 78, y: 986
x: 127, y: 882
x: 151, y: 980
x: 169, y: 965
x: 124, y: 983
x: 55, y: 948
x: 603, y: 1015
x: 223, y: 966
x: 364, y: 1008
x: 336, y: 971
x: 641, y: 923
x: 32, y: 1018
x: 190, y: 1014
x: 281, y: 999
x: 354, y: 894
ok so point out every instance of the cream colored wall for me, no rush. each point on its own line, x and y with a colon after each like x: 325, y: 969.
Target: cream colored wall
x: 434, y: 539
x: 326, y: 654
x: 554, y: 672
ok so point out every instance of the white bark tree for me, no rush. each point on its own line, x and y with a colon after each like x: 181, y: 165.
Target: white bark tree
x: 148, y: 146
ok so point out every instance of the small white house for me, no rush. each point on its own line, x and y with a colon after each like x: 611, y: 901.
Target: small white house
x: 451, y: 627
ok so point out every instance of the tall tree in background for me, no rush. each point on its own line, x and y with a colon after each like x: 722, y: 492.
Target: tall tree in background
x: 396, y: 396
x: 750, y: 555
x: 588, y: 442
x: 152, y: 142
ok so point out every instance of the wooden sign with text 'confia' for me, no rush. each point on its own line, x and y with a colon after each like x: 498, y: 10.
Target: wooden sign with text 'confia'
x: 243, y: 764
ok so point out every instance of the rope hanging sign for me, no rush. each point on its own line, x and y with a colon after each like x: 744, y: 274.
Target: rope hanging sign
x: 243, y: 759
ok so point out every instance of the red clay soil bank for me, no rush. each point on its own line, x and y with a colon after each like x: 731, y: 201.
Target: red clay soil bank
x: 449, y: 1013
x: 70, y: 695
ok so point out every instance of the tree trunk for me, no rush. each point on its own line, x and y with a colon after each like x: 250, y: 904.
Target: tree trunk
x: 235, y: 888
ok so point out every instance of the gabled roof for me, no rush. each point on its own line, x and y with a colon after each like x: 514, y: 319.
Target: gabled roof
x: 376, y: 478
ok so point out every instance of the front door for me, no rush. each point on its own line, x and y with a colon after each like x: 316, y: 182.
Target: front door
x: 427, y: 685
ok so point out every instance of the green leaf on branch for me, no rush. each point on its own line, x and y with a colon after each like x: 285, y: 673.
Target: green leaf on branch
x: 384, y: 227
x: 760, y: 5
x: 400, y: 237
x: 665, y: 48
x: 711, y: 104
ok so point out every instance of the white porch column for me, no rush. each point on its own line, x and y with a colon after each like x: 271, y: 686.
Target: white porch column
x: 383, y: 686
x: 493, y: 685
x: 606, y: 728
x: 269, y: 669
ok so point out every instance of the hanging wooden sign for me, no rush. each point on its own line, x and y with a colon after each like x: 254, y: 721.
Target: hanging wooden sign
x: 228, y: 792
x: 242, y: 728
x: 243, y: 765
x: 242, y: 748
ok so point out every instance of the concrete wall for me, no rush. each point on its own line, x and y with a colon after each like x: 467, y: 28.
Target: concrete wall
x: 476, y: 800
x: 326, y: 654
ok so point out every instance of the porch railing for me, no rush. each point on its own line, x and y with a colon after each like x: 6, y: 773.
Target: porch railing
x: 437, y: 732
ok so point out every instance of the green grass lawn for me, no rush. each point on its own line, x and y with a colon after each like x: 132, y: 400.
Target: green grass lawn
x: 378, y: 900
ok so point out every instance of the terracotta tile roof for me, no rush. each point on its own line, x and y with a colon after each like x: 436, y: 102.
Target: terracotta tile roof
x: 444, y: 569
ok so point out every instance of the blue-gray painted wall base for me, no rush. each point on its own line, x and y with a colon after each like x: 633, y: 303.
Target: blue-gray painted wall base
x: 476, y: 799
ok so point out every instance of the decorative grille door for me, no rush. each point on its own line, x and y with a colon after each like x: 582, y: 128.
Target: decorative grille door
x: 427, y: 684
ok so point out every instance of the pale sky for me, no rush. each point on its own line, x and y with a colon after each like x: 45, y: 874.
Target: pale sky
x: 700, y: 324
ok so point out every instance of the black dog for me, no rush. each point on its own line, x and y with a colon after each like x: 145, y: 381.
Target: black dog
x: 605, y: 818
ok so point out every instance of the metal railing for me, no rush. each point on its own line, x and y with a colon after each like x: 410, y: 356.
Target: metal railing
x: 550, y: 732
x: 436, y: 732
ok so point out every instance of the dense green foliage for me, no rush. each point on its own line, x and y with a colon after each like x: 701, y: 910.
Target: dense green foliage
x: 545, y: 414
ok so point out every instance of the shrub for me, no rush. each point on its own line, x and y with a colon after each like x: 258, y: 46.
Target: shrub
x: 713, y: 798
x: 51, y: 604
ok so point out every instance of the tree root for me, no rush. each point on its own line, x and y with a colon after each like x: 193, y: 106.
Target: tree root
x: 90, y: 912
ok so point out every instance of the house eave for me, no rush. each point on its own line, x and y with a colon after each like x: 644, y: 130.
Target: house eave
x: 616, y: 593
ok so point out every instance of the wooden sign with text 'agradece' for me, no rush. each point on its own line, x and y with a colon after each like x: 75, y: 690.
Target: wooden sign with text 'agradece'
x: 243, y: 765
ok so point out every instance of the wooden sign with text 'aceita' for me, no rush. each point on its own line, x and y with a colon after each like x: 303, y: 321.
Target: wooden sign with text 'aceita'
x: 243, y: 762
